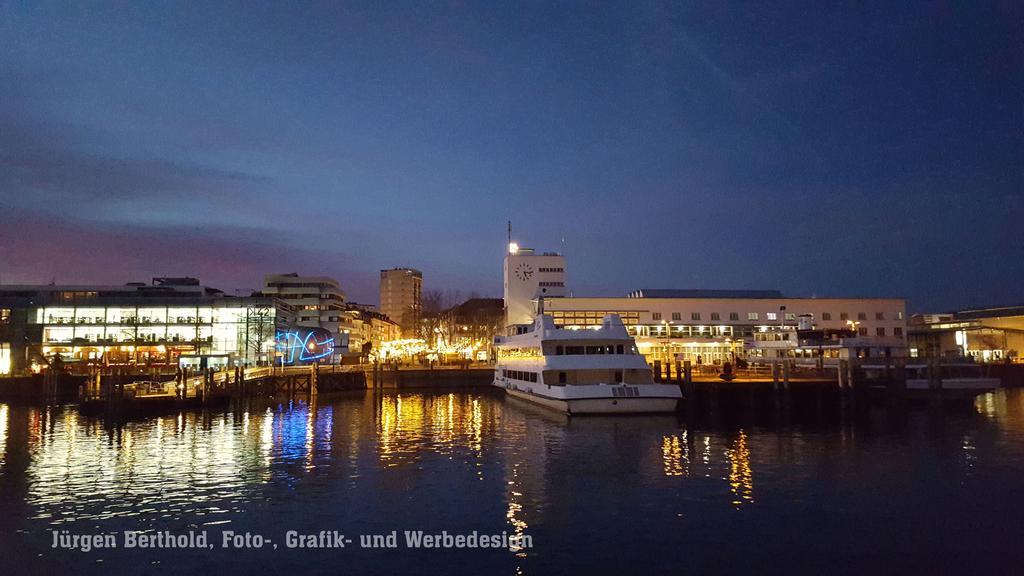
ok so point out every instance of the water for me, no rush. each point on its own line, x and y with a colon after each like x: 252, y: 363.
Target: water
x: 918, y: 490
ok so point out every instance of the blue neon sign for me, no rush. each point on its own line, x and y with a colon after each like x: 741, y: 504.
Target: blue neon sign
x: 304, y: 345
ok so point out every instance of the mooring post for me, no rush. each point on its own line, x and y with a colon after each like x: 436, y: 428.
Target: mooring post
x: 934, y: 375
x: 899, y: 380
x: 657, y: 370
x: 688, y: 387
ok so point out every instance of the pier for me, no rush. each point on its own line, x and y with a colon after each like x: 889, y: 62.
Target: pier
x: 113, y: 395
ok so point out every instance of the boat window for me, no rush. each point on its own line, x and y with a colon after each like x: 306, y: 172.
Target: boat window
x: 618, y: 376
x: 618, y: 349
x: 558, y: 350
x: 595, y: 349
x: 562, y: 378
x: 574, y: 350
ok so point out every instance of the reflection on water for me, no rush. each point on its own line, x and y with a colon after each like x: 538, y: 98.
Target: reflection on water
x: 3, y: 432
x: 675, y: 454
x: 741, y: 477
x: 618, y: 488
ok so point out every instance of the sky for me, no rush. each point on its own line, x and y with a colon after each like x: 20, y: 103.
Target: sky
x: 868, y: 149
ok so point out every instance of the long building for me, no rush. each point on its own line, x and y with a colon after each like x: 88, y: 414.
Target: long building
x: 159, y: 326
x: 707, y: 326
x: 985, y: 334
x: 712, y: 326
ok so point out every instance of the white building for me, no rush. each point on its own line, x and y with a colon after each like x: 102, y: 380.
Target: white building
x: 317, y: 300
x: 719, y: 325
x: 714, y: 325
x: 529, y: 276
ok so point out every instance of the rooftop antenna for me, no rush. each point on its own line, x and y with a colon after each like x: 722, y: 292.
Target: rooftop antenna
x: 509, y: 231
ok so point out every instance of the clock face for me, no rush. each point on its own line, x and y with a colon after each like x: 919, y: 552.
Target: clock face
x: 524, y: 271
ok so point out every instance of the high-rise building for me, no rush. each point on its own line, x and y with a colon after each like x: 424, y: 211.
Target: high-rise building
x: 317, y: 300
x: 400, y: 298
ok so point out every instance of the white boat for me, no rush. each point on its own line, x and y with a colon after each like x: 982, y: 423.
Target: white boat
x: 593, y: 371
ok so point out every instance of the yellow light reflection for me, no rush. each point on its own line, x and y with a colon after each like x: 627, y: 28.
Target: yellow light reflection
x: 675, y: 455
x: 741, y: 476
x: 3, y: 433
x: 519, y: 525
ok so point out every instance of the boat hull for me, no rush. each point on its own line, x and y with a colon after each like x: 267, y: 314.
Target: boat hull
x: 599, y: 405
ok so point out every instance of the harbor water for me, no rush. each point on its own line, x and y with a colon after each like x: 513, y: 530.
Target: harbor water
x: 833, y: 489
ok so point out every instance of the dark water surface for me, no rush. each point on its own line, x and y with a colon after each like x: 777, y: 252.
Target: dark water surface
x: 885, y: 490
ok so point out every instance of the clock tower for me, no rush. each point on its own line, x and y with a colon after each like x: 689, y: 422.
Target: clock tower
x: 529, y: 276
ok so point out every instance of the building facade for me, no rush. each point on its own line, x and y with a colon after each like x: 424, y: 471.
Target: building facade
x: 159, y: 326
x: 318, y: 302
x: 704, y: 326
x: 401, y: 298
x: 470, y: 327
x: 368, y: 330
x: 985, y: 334
x: 722, y: 325
x: 529, y: 276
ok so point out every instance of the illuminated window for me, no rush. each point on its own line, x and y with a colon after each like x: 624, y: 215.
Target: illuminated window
x: 751, y: 315
x: 771, y: 316
x: 5, y: 315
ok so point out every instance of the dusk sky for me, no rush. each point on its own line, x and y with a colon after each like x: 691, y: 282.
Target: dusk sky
x: 873, y: 150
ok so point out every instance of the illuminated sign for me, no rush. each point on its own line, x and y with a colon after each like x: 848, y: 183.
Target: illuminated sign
x: 304, y: 345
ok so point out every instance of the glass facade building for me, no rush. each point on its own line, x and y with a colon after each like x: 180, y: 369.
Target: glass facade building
x: 241, y: 330
x: 159, y: 327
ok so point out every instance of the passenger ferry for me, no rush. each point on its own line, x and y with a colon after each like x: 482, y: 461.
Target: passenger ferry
x: 591, y: 371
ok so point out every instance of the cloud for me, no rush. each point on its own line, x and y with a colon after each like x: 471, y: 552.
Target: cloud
x: 65, y: 175
x: 38, y: 248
